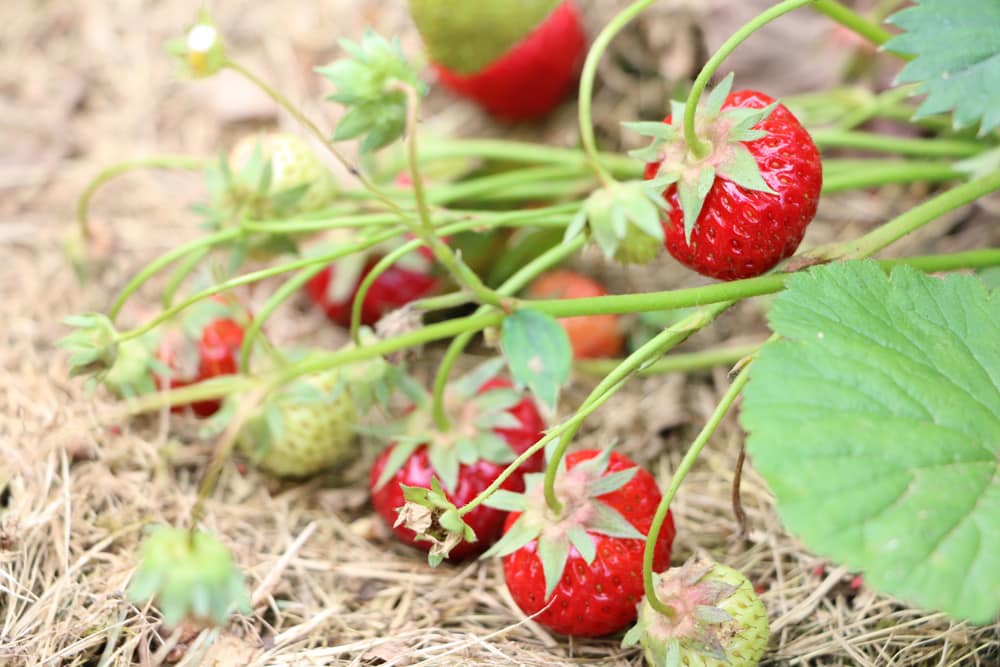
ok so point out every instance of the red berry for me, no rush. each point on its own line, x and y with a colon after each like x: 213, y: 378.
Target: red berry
x: 591, y: 336
x: 396, y: 287
x: 599, y: 598
x: 417, y: 470
x: 742, y: 233
x: 533, y: 76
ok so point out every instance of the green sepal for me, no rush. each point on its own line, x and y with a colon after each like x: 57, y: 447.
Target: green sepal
x: 692, y: 198
x: 742, y: 169
x: 553, y: 554
x: 631, y: 637
x: 93, y: 347
x: 505, y: 500
x: 717, y: 97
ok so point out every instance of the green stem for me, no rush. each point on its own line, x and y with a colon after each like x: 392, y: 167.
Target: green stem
x: 177, y: 162
x: 278, y: 297
x: 462, y: 274
x: 511, y: 286
x: 501, y: 183
x: 875, y: 107
x: 378, y: 269
x: 656, y: 346
x: 612, y: 28
x: 674, y: 363
x: 183, y: 270
x: 165, y: 260
x: 293, y: 226
x: 911, y: 220
x: 218, y: 387
x: 873, y: 32
x: 304, y: 120
x: 701, y: 148
x: 675, y: 481
x: 909, y: 146
x: 885, y: 173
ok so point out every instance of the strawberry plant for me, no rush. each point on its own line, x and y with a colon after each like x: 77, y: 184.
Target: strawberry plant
x: 872, y: 412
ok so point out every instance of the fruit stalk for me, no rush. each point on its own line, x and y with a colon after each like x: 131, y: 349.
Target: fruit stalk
x: 698, y: 148
x: 425, y: 231
x: 846, y: 17
x: 675, y: 481
x: 674, y: 363
x: 176, y: 162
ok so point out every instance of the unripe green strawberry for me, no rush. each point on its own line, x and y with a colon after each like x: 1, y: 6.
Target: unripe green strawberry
x: 305, y: 429
x: 718, y: 619
x: 299, y: 182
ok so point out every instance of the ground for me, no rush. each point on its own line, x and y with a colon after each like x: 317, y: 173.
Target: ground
x: 87, y: 84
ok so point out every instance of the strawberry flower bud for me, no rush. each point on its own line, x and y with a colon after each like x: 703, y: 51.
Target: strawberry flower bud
x: 200, y: 52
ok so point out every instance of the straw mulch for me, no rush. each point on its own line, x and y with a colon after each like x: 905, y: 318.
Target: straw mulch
x: 87, y: 84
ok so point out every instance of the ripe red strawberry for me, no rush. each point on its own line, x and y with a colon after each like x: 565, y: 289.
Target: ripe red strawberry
x: 762, y: 175
x: 591, y: 336
x: 516, y: 60
x: 334, y: 288
x: 491, y: 425
x: 580, y: 573
x: 206, y: 346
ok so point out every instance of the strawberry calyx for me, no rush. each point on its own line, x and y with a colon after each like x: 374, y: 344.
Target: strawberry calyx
x: 624, y: 220
x: 368, y: 84
x: 723, y: 132
x: 471, y: 437
x: 578, y: 490
x: 92, y: 345
x: 716, y: 614
x: 434, y: 519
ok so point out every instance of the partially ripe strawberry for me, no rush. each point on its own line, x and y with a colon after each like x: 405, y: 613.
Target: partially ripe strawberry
x: 517, y: 60
x: 591, y: 336
x: 744, y: 206
x: 305, y: 429
x: 718, y: 619
x: 579, y: 572
x: 491, y: 425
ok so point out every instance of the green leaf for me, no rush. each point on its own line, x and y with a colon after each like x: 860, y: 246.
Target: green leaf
x: 538, y: 352
x: 957, y: 63
x: 877, y: 425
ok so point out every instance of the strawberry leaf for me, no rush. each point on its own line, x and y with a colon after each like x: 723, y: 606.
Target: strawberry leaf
x: 538, y: 353
x: 876, y: 423
x: 957, y: 63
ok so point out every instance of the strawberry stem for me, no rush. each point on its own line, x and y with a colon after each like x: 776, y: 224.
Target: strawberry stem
x: 698, y: 147
x: 462, y: 274
x: 675, y: 481
x: 511, y: 286
x: 656, y: 346
x: 176, y: 162
x: 600, y: 44
x: 910, y: 146
x: 675, y: 363
x: 165, y: 260
x: 846, y: 17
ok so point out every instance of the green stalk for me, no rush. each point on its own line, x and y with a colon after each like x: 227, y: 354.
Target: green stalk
x: 873, y: 32
x: 183, y: 270
x: 462, y: 274
x: 219, y: 387
x: 675, y: 481
x: 674, y: 363
x: 293, y: 226
x: 511, y: 286
x: 656, y: 346
x: 911, y: 220
x: 612, y: 28
x: 176, y: 162
x: 698, y: 147
x: 909, y: 146
x: 165, y: 260
x: 380, y: 267
x: 886, y: 173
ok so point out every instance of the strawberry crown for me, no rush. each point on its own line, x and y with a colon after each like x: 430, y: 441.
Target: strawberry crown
x: 434, y: 519
x: 368, y: 84
x: 191, y: 575
x: 624, y: 221
x: 695, y: 592
x: 472, y: 436
x: 578, y: 489
x: 725, y: 132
